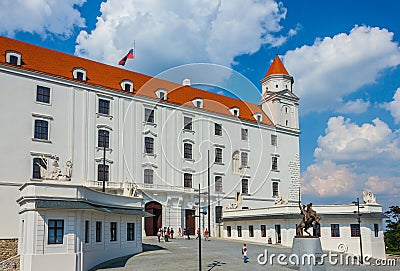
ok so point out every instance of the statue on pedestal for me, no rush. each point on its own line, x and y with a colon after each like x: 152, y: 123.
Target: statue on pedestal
x: 55, y: 173
x: 310, y: 218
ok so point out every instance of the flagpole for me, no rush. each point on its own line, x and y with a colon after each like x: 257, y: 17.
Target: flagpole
x: 134, y: 54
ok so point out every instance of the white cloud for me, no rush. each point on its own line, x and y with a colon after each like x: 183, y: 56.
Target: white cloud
x: 40, y: 16
x: 332, y: 68
x: 328, y: 179
x: 346, y: 141
x: 351, y: 158
x: 170, y: 33
x: 356, y: 107
x: 394, y: 106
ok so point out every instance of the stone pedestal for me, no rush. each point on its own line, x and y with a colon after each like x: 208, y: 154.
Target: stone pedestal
x: 309, y: 253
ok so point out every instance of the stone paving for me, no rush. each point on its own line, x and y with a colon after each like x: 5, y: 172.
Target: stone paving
x: 217, y: 254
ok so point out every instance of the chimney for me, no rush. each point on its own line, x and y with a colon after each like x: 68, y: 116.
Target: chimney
x: 186, y: 82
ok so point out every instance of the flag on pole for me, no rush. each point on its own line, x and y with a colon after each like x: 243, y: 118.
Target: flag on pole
x: 130, y: 54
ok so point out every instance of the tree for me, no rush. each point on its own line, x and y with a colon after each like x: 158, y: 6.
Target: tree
x: 392, y: 234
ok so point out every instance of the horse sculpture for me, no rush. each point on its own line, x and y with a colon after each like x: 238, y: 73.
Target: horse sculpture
x: 310, y: 218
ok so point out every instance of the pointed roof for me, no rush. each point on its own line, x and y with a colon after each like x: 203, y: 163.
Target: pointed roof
x: 276, y: 67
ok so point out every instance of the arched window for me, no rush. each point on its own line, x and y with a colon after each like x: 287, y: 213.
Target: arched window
x: 235, y: 162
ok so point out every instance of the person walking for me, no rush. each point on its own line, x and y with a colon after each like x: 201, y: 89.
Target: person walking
x: 188, y: 233
x: 198, y: 233
x: 159, y: 236
x: 206, y: 234
x: 179, y: 232
x: 172, y: 233
x: 244, y: 253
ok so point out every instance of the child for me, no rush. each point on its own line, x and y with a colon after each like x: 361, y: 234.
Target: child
x: 244, y: 253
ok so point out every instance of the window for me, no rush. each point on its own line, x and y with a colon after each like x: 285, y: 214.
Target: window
x: 263, y: 231
x: 245, y: 186
x: 37, y: 163
x: 98, y: 231
x: 251, y: 231
x: 149, y: 145
x: 41, y: 129
x: 187, y: 180
x: 55, y: 231
x: 376, y: 230
x: 149, y: 115
x: 355, y: 230
x: 274, y: 140
x: 229, y: 231
x: 127, y: 87
x: 218, y: 183
x: 198, y: 104
x: 130, y: 231
x: 103, y: 139
x: 335, y: 232
x: 87, y: 231
x: 218, y: 155
x: 218, y: 129
x: 275, y: 189
x: 113, y: 231
x: 161, y: 94
x: 148, y: 176
x: 187, y: 122
x: 103, y: 173
x: 187, y: 151
x: 245, y: 134
x: 235, y: 162
x: 274, y: 163
x: 80, y: 76
x: 14, y: 60
x: 317, y: 230
x: 245, y: 159
x: 43, y: 94
x: 235, y: 112
x: 239, y: 230
x: 104, y: 107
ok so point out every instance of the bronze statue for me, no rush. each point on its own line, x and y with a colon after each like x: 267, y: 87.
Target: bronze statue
x: 310, y: 218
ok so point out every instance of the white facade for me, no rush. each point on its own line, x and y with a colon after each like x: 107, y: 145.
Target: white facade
x: 285, y: 218
x: 74, y: 118
x: 72, y: 225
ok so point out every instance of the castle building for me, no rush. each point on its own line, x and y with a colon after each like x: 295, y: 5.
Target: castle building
x: 148, y: 138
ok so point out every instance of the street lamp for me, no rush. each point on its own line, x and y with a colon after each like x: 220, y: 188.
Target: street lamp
x: 357, y: 203
x: 204, y: 213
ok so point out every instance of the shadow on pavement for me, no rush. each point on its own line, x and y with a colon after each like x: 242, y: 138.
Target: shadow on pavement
x: 121, y: 261
x: 214, y: 264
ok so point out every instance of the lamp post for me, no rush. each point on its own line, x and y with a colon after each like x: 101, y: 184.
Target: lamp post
x: 357, y: 203
x: 209, y: 192
x: 204, y: 213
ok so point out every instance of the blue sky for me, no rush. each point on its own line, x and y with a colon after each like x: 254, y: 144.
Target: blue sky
x: 344, y: 56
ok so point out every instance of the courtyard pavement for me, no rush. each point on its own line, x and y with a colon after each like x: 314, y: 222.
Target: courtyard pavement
x: 217, y: 254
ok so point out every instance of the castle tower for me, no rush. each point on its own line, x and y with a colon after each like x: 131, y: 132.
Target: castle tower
x: 278, y: 101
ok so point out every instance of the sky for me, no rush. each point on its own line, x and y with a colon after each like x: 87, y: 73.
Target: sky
x: 344, y: 57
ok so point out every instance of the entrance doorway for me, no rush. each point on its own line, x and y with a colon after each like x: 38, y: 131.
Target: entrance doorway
x: 278, y: 234
x: 189, y: 220
x: 152, y: 224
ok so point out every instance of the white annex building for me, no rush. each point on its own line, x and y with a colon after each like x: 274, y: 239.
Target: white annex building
x: 146, y: 138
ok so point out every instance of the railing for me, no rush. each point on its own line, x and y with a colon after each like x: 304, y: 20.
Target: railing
x: 141, y: 186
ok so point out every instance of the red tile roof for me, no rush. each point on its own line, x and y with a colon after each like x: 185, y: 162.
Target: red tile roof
x: 54, y: 63
x: 277, y: 67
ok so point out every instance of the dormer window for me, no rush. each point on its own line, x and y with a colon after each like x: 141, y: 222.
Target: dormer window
x: 198, y: 102
x: 161, y: 94
x: 258, y: 117
x: 235, y: 111
x: 13, y: 58
x: 79, y: 74
x: 127, y: 85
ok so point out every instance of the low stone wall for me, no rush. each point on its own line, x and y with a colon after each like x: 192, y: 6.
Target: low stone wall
x: 8, y: 248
